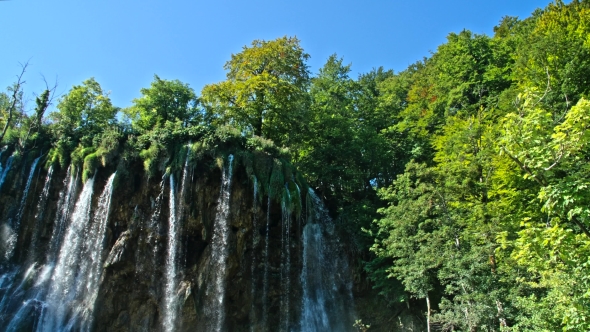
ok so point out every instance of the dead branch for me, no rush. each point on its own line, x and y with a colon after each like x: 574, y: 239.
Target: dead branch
x: 16, y: 90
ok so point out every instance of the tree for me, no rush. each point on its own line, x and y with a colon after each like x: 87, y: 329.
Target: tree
x: 14, y: 100
x: 265, y: 93
x: 548, y: 255
x: 555, y: 55
x: 413, y: 231
x: 84, y: 111
x: 83, y: 115
x: 164, y: 101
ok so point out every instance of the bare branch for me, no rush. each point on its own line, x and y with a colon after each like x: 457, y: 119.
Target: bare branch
x: 524, y: 167
x: 582, y: 226
x: 16, y: 90
x: 546, y: 89
x: 561, y: 153
x: 51, y: 90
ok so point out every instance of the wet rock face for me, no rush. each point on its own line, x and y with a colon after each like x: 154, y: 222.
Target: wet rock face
x: 262, y: 286
x: 132, y: 288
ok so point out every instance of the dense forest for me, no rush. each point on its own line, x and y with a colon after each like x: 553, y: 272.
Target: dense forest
x: 460, y: 184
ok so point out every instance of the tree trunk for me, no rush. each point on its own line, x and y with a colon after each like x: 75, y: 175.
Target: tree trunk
x: 259, y: 102
x: 501, y: 314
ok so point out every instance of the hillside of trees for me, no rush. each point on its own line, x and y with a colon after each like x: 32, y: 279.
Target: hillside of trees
x: 461, y: 184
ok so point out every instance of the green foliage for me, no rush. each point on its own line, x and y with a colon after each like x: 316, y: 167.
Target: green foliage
x: 555, y: 56
x: 276, y: 185
x: 261, y: 144
x: 463, y: 180
x: 551, y: 250
x: 360, y: 326
x: 263, y: 168
x: 83, y: 115
x: 164, y: 101
x: 495, y: 223
x: 91, y: 163
x: 84, y: 111
x: 265, y: 91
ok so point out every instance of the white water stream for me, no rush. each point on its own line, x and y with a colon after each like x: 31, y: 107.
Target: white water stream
x: 219, y: 251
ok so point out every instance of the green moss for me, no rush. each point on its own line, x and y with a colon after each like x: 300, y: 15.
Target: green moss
x: 286, y: 198
x: 229, y: 134
x: 198, y: 150
x: 151, y: 159
x: 179, y: 156
x: 91, y: 163
x: 245, y: 159
x: 288, y: 170
x: 219, y: 162
x: 108, y: 149
x: 277, y: 180
x: 295, y: 198
x: 302, y: 183
x: 263, y: 165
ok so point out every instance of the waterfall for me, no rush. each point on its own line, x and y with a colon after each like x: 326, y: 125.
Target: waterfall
x: 63, y: 281
x: 5, y: 170
x: 255, y: 241
x: 39, y: 215
x: 327, y: 288
x: 15, y: 227
x: 26, y: 300
x: 1, y: 153
x: 91, y: 271
x: 301, y: 204
x: 23, y: 201
x: 219, y: 251
x: 174, y: 229
x: 170, y: 303
x: 77, y: 273
x: 61, y: 284
x: 285, y: 259
x: 64, y: 206
x: 151, y: 240
x: 266, y: 266
x: 184, y: 180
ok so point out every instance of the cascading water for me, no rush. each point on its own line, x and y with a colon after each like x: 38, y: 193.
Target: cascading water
x: 5, y: 170
x: 219, y: 252
x: 76, y: 276
x: 266, y: 266
x: 255, y: 241
x: 285, y: 259
x: 151, y: 240
x: 91, y: 270
x: 58, y: 311
x: 170, y: 297
x: 39, y: 215
x: 64, y: 208
x: 327, y: 289
x: 1, y: 153
x: 299, y: 215
x: 174, y: 226
x: 57, y: 291
x: 29, y: 303
x: 23, y: 201
x: 15, y: 227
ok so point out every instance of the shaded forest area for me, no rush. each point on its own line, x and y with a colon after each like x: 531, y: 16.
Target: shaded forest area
x: 461, y: 184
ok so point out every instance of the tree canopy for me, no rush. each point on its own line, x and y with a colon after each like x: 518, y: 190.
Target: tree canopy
x: 265, y: 92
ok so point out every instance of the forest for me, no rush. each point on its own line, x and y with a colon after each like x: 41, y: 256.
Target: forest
x: 460, y: 185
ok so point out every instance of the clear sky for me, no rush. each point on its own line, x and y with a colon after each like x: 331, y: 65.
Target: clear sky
x: 124, y: 43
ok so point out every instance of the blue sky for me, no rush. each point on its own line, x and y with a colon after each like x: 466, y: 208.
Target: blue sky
x: 124, y: 43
